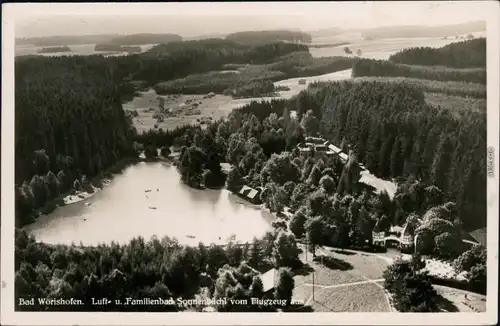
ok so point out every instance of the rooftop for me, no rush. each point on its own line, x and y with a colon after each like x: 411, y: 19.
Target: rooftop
x: 479, y: 235
x: 316, y: 140
x: 344, y: 157
x: 252, y: 193
x: 244, y: 189
x: 334, y: 148
x: 269, y: 279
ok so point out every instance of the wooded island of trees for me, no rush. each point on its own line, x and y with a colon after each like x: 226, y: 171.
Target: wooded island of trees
x: 55, y: 49
x: 117, y: 48
x: 70, y: 127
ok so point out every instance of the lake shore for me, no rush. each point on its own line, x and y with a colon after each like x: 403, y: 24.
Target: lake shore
x: 97, y: 183
x: 170, y: 209
x: 105, y: 178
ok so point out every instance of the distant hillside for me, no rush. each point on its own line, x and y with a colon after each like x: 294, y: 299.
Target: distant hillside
x: 179, y: 59
x: 204, y: 37
x: 225, y: 51
x: 135, y: 39
x: 210, y: 44
x: 258, y: 37
x: 65, y: 40
x: 140, y: 39
x: 424, y: 31
x: 466, y: 54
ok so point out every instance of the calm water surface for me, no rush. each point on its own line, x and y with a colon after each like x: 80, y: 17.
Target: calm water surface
x: 122, y: 211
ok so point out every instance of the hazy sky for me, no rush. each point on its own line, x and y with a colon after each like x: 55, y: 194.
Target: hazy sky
x: 192, y: 19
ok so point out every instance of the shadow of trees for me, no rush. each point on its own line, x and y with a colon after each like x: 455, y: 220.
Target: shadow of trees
x: 333, y: 263
x: 304, y: 269
x: 446, y: 304
x: 346, y: 253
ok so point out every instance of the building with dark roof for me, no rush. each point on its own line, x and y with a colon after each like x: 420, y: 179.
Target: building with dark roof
x: 479, y: 236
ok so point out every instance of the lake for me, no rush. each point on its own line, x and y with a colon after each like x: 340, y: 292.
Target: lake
x: 122, y: 211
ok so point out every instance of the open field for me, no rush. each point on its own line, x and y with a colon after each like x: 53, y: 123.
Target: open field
x: 343, y: 281
x: 177, y: 110
x: 226, y: 81
x: 375, y: 49
x: 379, y: 184
x: 456, y: 103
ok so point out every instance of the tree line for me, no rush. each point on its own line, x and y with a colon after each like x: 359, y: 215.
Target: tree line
x: 465, y: 54
x: 69, y: 123
x: 158, y: 268
x: 453, y: 88
x: 383, y: 68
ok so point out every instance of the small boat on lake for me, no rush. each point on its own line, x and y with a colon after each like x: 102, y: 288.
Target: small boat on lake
x: 190, y: 236
x: 150, y: 207
x: 147, y: 190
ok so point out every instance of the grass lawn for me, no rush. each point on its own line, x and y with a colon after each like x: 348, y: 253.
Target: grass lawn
x: 354, y: 298
x: 326, y: 276
x: 303, y: 292
x: 370, y: 266
x: 456, y: 300
x: 333, y: 277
